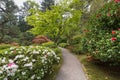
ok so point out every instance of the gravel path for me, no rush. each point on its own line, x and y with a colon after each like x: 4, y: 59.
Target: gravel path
x: 71, y: 68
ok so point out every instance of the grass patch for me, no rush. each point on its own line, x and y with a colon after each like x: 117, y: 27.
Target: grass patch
x: 99, y: 72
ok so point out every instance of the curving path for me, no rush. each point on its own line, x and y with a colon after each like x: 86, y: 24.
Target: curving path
x: 71, y: 68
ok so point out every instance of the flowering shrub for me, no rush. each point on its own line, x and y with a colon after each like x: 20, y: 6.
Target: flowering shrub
x: 103, y: 41
x: 108, y: 17
x: 40, y: 39
x: 27, y: 63
x: 106, y: 49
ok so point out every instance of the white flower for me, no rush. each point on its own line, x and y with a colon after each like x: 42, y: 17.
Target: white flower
x: 1, y: 72
x: 11, y: 48
x: 28, y: 64
x: 33, y: 60
x: 43, y: 60
x: 3, y: 60
x: 58, y: 58
x: 23, y: 73
x: 35, y: 52
x: 33, y: 76
x: 19, y: 56
x: 11, y: 61
x: 5, y: 79
x: 38, y: 78
x: 4, y: 66
x: 26, y: 58
x: 48, y: 53
x: 17, y: 78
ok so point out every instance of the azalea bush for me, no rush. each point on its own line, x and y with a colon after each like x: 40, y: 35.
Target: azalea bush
x: 103, y: 38
x: 27, y: 63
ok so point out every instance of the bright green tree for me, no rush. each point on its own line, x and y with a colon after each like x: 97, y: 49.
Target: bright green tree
x: 53, y: 23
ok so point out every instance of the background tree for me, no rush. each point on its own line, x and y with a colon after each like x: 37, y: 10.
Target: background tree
x: 8, y: 19
x: 46, y: 4
x: 24, y: 12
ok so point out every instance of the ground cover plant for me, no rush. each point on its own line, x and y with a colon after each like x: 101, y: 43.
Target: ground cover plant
x: 17, y: 63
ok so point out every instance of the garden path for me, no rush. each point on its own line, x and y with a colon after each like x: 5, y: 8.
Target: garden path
x: 71, y: 68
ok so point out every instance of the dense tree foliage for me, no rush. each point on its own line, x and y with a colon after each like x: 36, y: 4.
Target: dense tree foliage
x: 53, y: 23
x: 46, y: 4
x: 8, y: 19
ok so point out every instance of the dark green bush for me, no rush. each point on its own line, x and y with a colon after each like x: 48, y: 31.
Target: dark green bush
x: 26, y: 38
x: 7, y: 39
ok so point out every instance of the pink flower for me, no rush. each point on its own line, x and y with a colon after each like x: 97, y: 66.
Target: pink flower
x: 116, y: 1
x: 11, y: 64
x: 113, y: 32
x: 113, y: 39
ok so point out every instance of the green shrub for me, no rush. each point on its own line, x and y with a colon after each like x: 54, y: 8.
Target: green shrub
x: 79, y: 44
x: 75, y: 40
x: 7, y: 39
x: 27, y: 63
x: 63, y: 45
x: 49, y: 44
x: 76, y: 49
x: 102, y: 44
x: 4, y: 46
x: 26, y: 38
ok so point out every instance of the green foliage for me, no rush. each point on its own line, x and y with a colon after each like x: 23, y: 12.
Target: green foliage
x: 63, y: 45
x: 75, y: 40
x: 26, y: 38
x: 33, y: 62
x: 7, y: 39
x: 78, y: 43
x: 4, y: 46
x: 49, y: 44
x: 107, y: 17
x: 54, y: 22
x: 102, y: 44
x: 7, y: 17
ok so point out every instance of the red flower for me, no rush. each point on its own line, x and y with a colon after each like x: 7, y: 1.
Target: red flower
x: 118, y: 28
x: 117, y: 1
x: 113, y: 39
x: 108, y: 14
x: 113, y: 32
